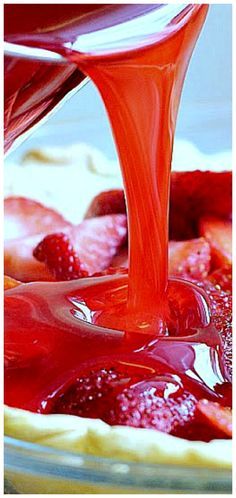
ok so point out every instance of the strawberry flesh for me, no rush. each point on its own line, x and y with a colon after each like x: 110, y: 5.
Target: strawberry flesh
x: 107, y: 202
x: 218, y: 232
x: 216, y: 416
x: 222, y: 278
x: 56, y: 251
x: 128, y: 397
x: 195, y: 194
x: 91, y: 395
x: 26, y: 222
x: 86, y: 249
x: 149, y: 409
x: 24, y: 217
x: 123, y: 398
x: 220, y: 303
x: 19, y: 262
x: 189, y: 259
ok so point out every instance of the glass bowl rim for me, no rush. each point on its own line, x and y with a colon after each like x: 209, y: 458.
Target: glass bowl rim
x: 26, y: 52
x: 33, y: 458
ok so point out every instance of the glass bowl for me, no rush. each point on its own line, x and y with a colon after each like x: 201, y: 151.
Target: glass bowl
x: 31, y: 468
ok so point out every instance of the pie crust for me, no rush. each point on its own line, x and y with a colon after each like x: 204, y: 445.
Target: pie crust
x: 95, y: 437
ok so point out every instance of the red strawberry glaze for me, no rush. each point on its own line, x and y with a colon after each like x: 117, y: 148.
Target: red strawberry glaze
x: 156, y: 332
x: 55, y: 342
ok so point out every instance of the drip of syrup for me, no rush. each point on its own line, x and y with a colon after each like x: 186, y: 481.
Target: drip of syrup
x: 141, y: 319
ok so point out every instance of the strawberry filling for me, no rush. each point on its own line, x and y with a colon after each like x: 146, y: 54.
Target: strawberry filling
x: 130, y: 379
x: 125, y: 398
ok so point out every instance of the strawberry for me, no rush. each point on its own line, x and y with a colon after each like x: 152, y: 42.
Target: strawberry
x: 222, y: 278
x: 120, y: 260
x: 86, y: 249
x: 24, y: 217
x: 26, y: 222
x: 123, y: 398
x: 19, y: 262
x: 189, y: 259
x: 107, y: 202
x: 218, y: 232
x: 91, y: 395
x: 216, y: 416
x: 152, y: 410
x: 221, y: 314
x: 56, y: 251
x: 194, y: 194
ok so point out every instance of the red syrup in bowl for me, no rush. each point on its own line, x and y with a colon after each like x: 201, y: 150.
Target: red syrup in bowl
x: 35, y: 83
x: 132, y: 332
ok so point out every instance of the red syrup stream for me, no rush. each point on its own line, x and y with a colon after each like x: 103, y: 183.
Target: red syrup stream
x: 140, y: 322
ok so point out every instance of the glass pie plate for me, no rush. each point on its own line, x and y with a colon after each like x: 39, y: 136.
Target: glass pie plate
x: 31, y: 468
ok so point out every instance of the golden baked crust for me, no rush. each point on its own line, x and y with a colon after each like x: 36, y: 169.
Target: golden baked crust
x: 95, y: 437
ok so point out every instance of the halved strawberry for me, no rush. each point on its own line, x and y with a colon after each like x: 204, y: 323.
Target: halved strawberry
x: 190, y: 258
x: 19, y: 262
x: 222, y: 277
x: 93, y: 243
x: 218, y: 232
x: 221, y: 314
x: 187, y: 259
x: 107, y: 202
x: 91, y: 395
x: 120, y: 260
x: 24, y: 217
x: 56, y: 251
x: 216, y: 416
x: 121, y: 397
x: 150, y: 409
x: 194, y: 194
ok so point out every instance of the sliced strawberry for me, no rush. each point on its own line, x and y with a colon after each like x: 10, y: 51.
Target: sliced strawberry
x: 121, y: 259
x: 94, y: 243
x: 91, y: 395
x: 187, y: 259
x: 222, y: 277
x: 124, y: 398
x: 216, y: 416
x: 218, y: 232
x: 56, y: 251
x: 190, y: 258
x: 19, y: 262
x: 195, y: 194
x: 107, y: 202
x: 221, y: 313
x: 150, y: 409
x: 24, y: 217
